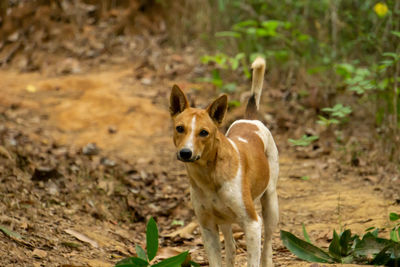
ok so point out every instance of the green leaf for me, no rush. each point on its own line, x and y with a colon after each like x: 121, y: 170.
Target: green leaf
x: 228, y: 34
x: 370, y: 245
x: 334, y: 247
x: 394, y: 216
x: 393, y: 235
x: 263, y: 32
x: 9, y: 232
x: 345, y: 70
x: 369, y: 228
x: 382, y: 257
x: 234, y: 103
x: 390, y: 54
x: 398, y: 233
x: 271, y: 25
x: 345, y: 239
x: 175, y: 261
x: 339, y: 110
x: 395, y: 33
x: 251, y: 31
x: 304, y: 250
x: 140, y: 252
x: 304, y: 140
x: 151, y: 239
x: 375, y: 232
x: 244, y: 24
x: 178, y: 222
x: 305, y: 234
x: 132, y: 262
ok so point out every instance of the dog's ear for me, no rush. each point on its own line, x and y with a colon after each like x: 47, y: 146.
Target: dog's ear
x: 218, y: 108
x: 178, y: 101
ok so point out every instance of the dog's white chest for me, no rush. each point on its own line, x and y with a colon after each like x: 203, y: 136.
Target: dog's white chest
x: 213, y: 205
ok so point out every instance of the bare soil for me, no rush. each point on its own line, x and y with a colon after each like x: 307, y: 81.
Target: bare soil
x: 92, y: 153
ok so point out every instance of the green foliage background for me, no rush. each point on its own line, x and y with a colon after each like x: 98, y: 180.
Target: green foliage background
x: 350, y: 48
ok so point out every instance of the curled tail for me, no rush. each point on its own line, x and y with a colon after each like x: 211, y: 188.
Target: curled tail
x: 253, y: 104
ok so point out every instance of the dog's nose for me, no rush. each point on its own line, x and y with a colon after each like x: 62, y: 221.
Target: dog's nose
x: 185, y: 153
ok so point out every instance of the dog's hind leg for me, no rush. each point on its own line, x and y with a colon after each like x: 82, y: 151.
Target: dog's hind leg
x: 270, y: 214
x: 252, y: 232
x: 230, y: 248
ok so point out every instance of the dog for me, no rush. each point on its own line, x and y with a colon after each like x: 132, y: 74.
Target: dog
x: 229, y: 173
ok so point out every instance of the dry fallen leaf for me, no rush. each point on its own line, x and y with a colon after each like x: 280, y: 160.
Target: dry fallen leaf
x: 82, y: 237
x: 4, y: 152
x: 31, y: 88
x: 167, y: 252
x: 38, y: 253
x: 185, y: 232
x: 98, y: 263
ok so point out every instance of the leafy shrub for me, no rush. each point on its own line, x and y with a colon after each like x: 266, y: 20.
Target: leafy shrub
x: 305, y: 140
x: 348, y: 248
x: 351, y: 45
x: 144, y: 258
x: 338, y: 114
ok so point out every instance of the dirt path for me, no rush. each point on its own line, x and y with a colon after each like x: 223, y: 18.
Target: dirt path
x: 129, y: 122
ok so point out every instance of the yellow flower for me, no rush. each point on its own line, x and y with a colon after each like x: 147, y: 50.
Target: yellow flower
x: 381, y: 9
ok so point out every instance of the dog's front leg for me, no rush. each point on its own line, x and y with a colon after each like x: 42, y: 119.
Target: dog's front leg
x: 230, y: 248
x: 212, y: 245
x: 252, y: 231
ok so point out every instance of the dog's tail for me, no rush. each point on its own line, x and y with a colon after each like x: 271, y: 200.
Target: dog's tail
x: 253, y: 104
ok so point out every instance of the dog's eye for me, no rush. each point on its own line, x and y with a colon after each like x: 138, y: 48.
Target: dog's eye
x: 180, y: 129
x: 203, y: 133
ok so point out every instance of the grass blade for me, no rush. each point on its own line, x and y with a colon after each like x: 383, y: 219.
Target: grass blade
x: 151, y: 239
x: 9, y: 232
x: 304, y: 250
x: 305, y: 234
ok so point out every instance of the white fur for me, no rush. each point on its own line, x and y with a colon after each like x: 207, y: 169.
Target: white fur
x: 269, y: 147
x: 258, y: 67
x: 190, y: 143
x: 269, y: 201
x: 242, y: 140
x: 229, y: 197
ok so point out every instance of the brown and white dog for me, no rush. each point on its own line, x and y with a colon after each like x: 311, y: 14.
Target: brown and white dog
x: 229, y: 173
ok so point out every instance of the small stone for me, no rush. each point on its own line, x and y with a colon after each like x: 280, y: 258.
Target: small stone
x: 90, y: 149
x: 146, y: 81
x: 112, y: 129
x: 107, y: 162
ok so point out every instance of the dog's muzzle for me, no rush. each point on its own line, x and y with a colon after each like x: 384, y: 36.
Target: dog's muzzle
x: 186, y: 155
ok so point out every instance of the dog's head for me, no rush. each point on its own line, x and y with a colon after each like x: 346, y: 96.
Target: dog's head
x: 195, y: 130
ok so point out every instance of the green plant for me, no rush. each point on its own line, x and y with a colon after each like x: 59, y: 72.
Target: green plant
x: 337, y: 114
x: 356, y: 79
x: 305, y: 140
x: 348, y: 248
x: 350, y: 48
x: 222, y: 63
x: 395, y: 231
x: 144, y: 258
